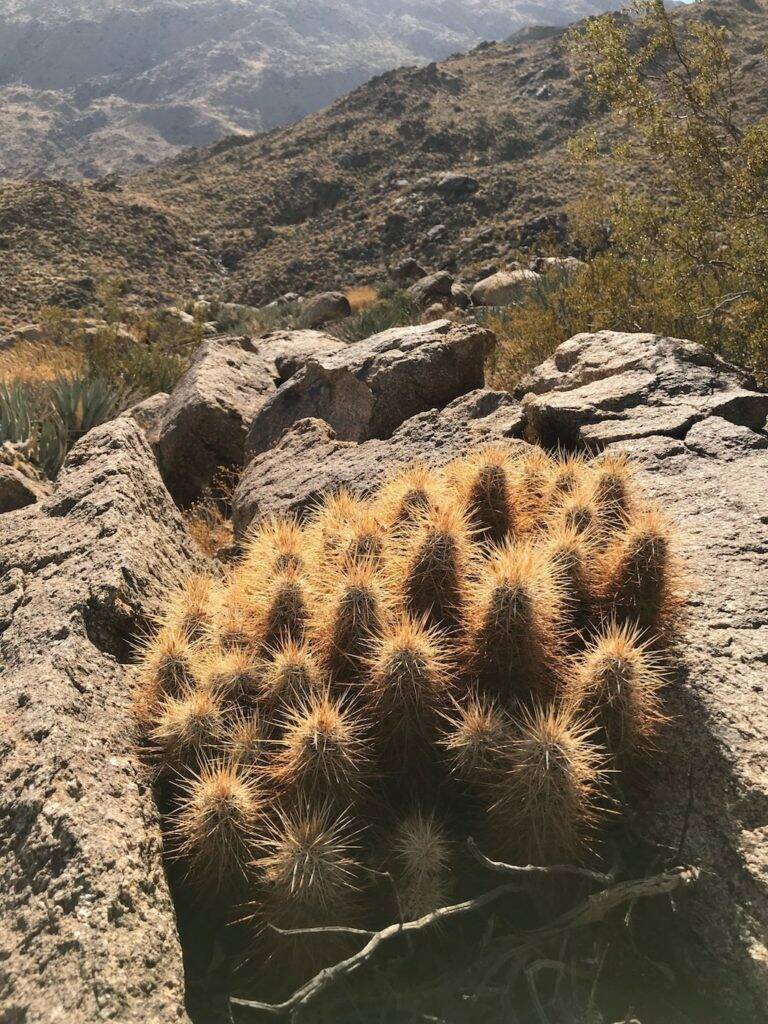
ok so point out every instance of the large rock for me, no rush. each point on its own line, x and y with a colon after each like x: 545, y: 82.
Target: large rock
x: 505, y: 288
x: 609, y: 386
x: 205, y: 421
x: 457, y: 186
x: 324, y: 309
x: 407, y: 271
x: 310, y: 458
x: 18, y: 490
x: 369, y: 388
x: 431, y: 288
x: 693, y: 423
x: 88, y: 928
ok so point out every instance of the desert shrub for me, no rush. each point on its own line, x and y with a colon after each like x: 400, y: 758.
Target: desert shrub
x: 674, y: 217
x: 160, y: 353
x: 480, y: 648
x: 398, y: 310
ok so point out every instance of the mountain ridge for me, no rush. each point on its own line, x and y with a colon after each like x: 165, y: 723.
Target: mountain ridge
x: 88, y: 88
x: 339, y: 197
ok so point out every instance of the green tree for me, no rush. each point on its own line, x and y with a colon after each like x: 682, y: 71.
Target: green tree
x: 687, y: 225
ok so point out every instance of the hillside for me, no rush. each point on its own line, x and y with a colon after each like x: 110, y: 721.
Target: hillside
x: 342, y: 194
x: 87, y: 88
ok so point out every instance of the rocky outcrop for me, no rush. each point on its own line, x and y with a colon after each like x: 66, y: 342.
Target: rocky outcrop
x: 324, y: 309
x: 88, y: 927
x: 205, y: 421
x: 369, y: 388
x: 607, y: 387
x: 505, y: 287
x: 694, y: 424
x: 310, y: 458
x: 149, y: 414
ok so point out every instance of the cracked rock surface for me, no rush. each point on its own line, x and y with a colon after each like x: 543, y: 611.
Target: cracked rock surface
x: 88, y: 929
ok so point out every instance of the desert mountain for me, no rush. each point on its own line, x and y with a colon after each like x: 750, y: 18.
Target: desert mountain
x: 89, y: 87
x: 455, y: 163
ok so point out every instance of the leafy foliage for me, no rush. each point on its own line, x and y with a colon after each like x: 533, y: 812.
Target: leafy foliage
x: 680, y: 246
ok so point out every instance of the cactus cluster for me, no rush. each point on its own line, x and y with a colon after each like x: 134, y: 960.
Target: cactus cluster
x: 478, y: 650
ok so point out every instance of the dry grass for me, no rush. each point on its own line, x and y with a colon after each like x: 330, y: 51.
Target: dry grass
x: 362, y: 297
x: 34, y: 363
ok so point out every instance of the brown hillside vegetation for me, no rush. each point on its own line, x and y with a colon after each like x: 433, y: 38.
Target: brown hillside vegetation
x: 336, y: 198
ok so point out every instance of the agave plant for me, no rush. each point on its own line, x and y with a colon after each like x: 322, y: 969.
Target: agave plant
x: 16, y: 416
x: 82, y: 403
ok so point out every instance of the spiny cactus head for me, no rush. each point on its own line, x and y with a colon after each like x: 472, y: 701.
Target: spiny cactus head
x: 322, y: 750
x: 362, y: 539
x: 484, y: 487
x: 640, y: 575
x: 422, y: 859
x: 328, y: 521
x: 187, y: 726
x: 284, y: 607
x: 515, y: 620
x: 244, y: 739
x: 215, y: 824
x: 407, y: 493
x: 274, y: 544
x: 430, y: 571
x: 612, y: 488
x: 354, y: 608
x: 234, y: 676
x: 618, y: 681
x: 235, y: 624
x: 289, y: 672
x: 567, y: 475
x: 165, y: 670
x: 407, y: 672
x: 577, y: 510
x: 532, y: 480
x: 474, y: 734
x: 191, y: 608
x: 547, y: 802
x: 309, y: 863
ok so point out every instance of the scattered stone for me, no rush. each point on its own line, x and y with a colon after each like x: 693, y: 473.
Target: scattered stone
x: 89, y: 930
x: 324, y: 309
x: 369, y: 388
x: 437, y: 232
x: 505, y: 287
x: 431, y: 288
x: 18, y: 490
x: 565, y: 266
x: 310, y: 458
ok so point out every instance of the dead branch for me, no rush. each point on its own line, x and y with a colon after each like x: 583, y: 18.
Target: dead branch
x: 323, y: 979
x: 536, y: 869
x: 591, y: 910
